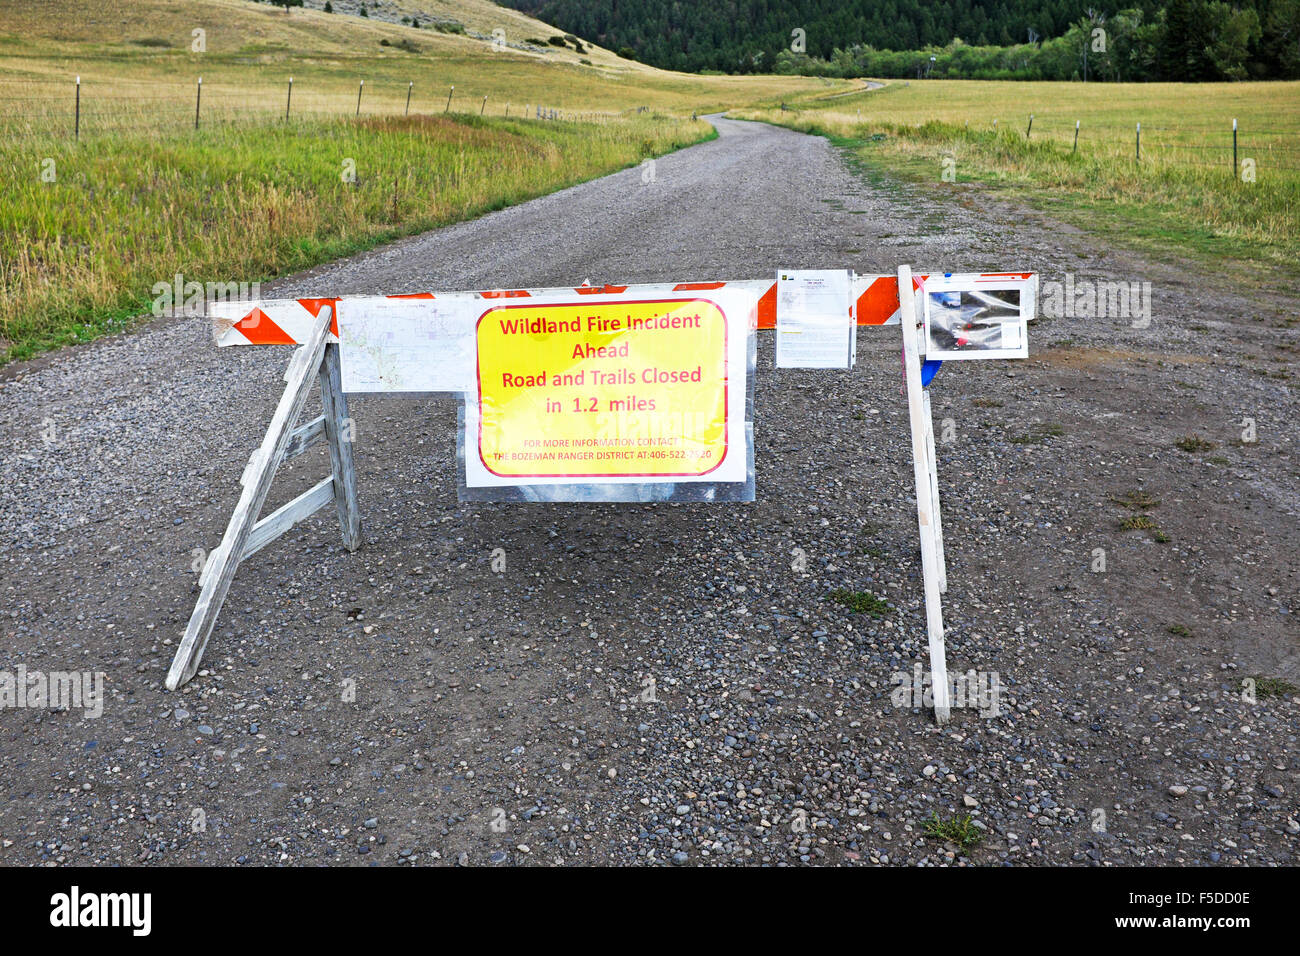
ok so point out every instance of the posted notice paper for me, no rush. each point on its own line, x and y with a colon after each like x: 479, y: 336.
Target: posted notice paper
x: 815, y: 327
x: 406, y: 345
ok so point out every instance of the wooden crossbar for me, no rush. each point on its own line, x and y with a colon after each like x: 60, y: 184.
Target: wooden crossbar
x: 303, y: 437
x: 285, y: 517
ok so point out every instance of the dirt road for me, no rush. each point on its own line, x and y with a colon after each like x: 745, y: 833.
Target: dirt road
x: 407, y: 704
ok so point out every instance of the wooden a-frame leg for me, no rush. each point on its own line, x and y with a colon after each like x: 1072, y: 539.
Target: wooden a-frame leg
x: 339, y: 432
x: 219, y: 570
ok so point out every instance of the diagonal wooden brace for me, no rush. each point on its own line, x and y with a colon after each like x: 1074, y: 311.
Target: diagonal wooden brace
x: 245, y: 534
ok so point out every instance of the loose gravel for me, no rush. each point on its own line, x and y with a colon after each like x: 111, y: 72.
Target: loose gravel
x: 673, y: 684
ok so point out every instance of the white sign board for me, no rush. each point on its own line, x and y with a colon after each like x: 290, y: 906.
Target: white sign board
x: 619, y: 388
x: 815, y: 326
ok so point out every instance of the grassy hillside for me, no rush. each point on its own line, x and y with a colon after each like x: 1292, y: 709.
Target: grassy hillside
x: 88, y: 225
x: 1183, y: 194
x: 138, y: 70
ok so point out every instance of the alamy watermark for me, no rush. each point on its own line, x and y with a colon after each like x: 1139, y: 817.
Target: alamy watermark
x: 981, y: 690
x: 1076, y: 298
x: 128, y: 910
x: 53, y: 690
x: 178, y: 297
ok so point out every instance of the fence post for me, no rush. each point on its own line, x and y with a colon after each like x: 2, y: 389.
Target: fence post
x: 1030, y: 129
x: 483, y: 107
x: 1234, y: 148
x: 1138, y: 144
x: 359, y: 89
x: 447, y: 108
x: 288, y: 99
x: 198, y: 98
x: 1076, y: 137
x: 409, y: 86
x: 76, y: 127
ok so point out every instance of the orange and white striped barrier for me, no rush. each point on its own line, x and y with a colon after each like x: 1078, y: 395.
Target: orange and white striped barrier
x: 499, y: 347
x: 289, y: 321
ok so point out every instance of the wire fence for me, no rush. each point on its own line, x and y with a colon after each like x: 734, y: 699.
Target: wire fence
x: 1226, y: 144
x: 43, y: 109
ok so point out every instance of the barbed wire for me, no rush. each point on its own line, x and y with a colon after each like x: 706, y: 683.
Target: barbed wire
x: 87, y: 111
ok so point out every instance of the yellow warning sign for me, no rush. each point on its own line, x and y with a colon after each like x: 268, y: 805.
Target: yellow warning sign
x: 615, y: 388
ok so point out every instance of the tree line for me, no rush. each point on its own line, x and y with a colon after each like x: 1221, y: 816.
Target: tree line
x: 1179, y: 40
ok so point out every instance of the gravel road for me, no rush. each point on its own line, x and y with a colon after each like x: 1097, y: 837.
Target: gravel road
x: 408, y: 705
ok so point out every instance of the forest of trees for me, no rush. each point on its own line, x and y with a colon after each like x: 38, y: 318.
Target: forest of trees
x: 978, y: 39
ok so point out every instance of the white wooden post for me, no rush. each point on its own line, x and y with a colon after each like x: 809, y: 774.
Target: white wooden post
x: 245, y: 534
x: 932, y: 465
x: 926, y: 494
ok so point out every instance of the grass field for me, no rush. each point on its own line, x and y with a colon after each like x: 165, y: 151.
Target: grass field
x: 139, y: 74
x: 79, y: 256
x: 89, y: 225
x: 1183, y: 195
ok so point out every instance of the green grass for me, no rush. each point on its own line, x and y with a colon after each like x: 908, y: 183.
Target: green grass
x: 1274, y: 687
x: 1194, y: 443
x: 1144, y: 523
x: 959, y: 831
x: 251, y: 50
x: 79, y: 256
x: 1180, y: 630
x: 861, y: 602
x: 1039, y: 433
x: 1182, y: 197
x: 1136, y: 500
x: 1137, y: 523
x: 1140, y: 501
x: 248, y: 197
